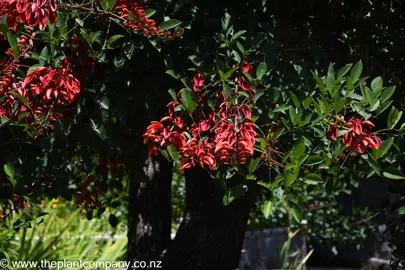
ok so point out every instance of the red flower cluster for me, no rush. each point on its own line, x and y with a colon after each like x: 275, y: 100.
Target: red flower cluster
x: 358, y: 138
x: 12, y: 106
x: 223, y: 133
x: 28, y: 12
x: 8, y: 64
x: 133, y: 14
x: 54, y: 86
x: 244, y: 82
x: 38, y: 94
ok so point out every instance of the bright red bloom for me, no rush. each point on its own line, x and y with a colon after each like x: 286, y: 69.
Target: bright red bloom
x: 246, y: 111
x: 134, y: 16
x: 355, y: 125
x: 359, y: 138
x: 221, y: 131
x: 333, y: 131
x: 54, y: 85
x: 198, y: 82
x: 246, y: 67
x: 196, y: 152
x: 11, y: 106
x: 28, y: 12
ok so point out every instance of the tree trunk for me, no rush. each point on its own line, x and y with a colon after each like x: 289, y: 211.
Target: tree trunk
x: 149, y: 220
x: 211, y: 234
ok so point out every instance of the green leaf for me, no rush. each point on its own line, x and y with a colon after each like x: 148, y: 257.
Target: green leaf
x: 343, y: 70
x: 149, y: 13
x: 307, y: 102
x: 295, y: 100
x: 387, y: 93
x: 237, y: 34
x: 171, y: 73
x: 258, y: 95
x: 349, y: 88
x: 319, y: 82
x: 330, y: 83
x: 253, y: 164
x: 227, y: 90
x: 12, y: 40
x: 195, y: 59
x: 313, y: 160
x: 94, y: 36
x: 372, y: 163
x: 264, y: 184
x: 226, y: 75
x: 108, y: 5
x: 294, y: 116
x: 384, y: 148
x: 331, y: 71
x: 377, y: 84
x: 383, y: 106
x: 165, y: 154
x: 234, y: 193
x: 99, y: 130
x: 393, y: 173
x: 169, y: 24
x: 355, y: 73
x: 296, y: 211
x: 173, y: 152
x: 188, y: 103
x: 251, y: 177
x: 360, y: 110
x: 313, y: 179
x: 44, y: 56
x: 129, y: 49
x: 4, y: 28
x: 173, y: 94
x: 261, y: 70
x: 369, y: 95
x: 289, y: 178
x: 282, y: 108
x: 393, y: 117
x: 113, y: 220
x: 374, y: 106
x: 240, y: 47
x: 267, y: 209
x: 9, y: 170
x: 156, y: 43
x: 338, y: 103
x: 113, y: 39
x: 299, y: 150
x: 248, y: 76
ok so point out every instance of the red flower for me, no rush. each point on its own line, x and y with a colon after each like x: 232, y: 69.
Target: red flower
x: 359, y: 138
x: 198, y: 82
x: 222, y: 131
x: 355, y: 125
x: 134, y: 17
x: 198, y: 153
x: 54, y: 85
x: 28, y: 12
x: 246, y: 111
x: 333, y: 132
x: 246, y: 67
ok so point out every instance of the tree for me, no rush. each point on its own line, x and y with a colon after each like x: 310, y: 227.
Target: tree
x: 82, y: 80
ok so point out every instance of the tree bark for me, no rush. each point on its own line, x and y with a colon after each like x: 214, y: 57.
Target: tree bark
x: 211, y: 234
x: 149, y: 219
